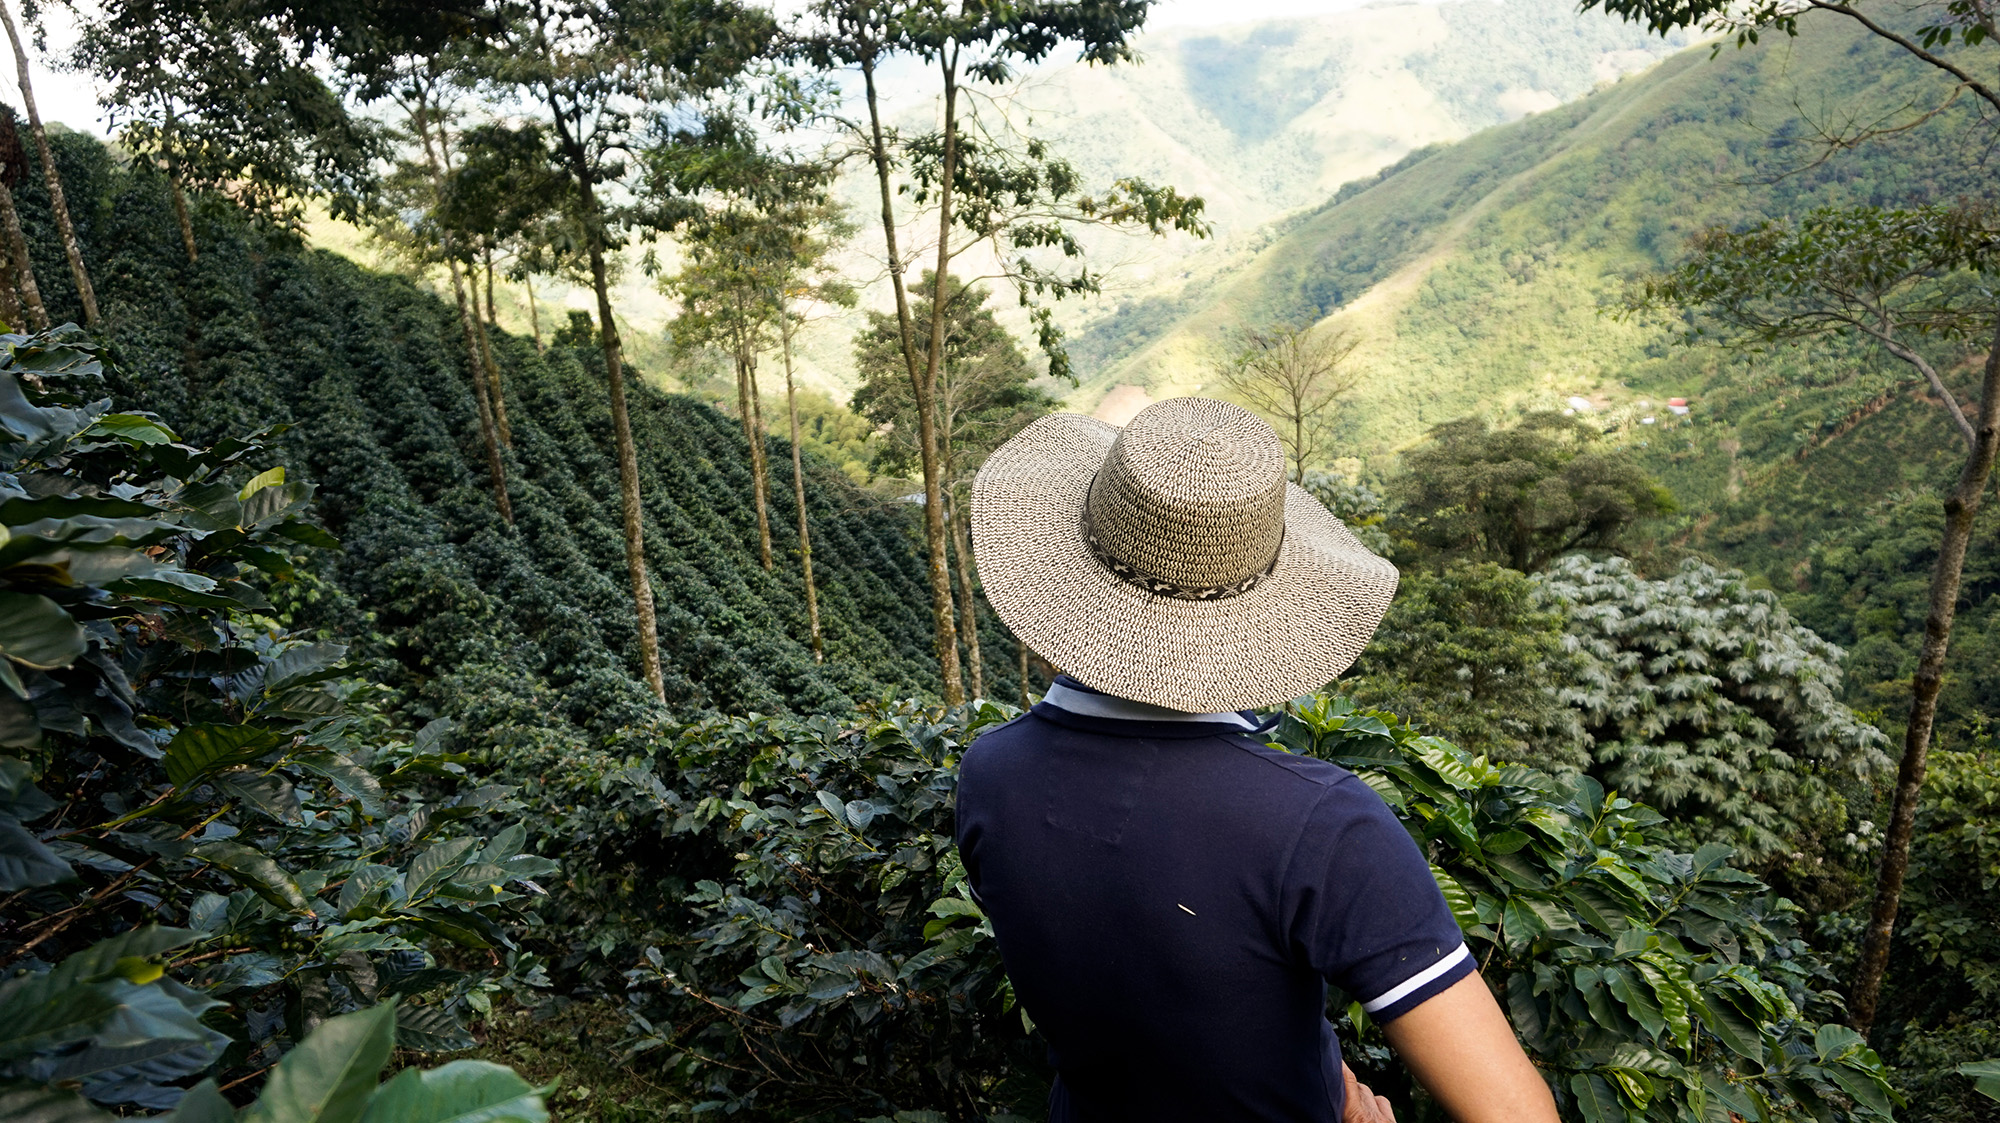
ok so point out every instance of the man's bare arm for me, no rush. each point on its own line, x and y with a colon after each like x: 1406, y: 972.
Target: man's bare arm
x: 1461, y: 1048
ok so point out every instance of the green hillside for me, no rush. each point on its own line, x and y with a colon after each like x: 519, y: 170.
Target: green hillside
x: 1478, y: 273
x: 523, y: 633
x: 1484, y: 277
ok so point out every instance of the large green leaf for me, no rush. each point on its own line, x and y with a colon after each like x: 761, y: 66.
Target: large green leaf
x: 24, y: 862
x: 430, y: 867
x: 1739, y: 1033
x: 154, y: 1039
x: 1985, y: 1077
x: 431, y: 1029
x: 203, y: 1103
x: 257, y: 872
x: 31, y: 1103
x: 331, y: 1075
x: 459, y: 1092
x: 1595, y: 1099
x: 266, y: 791
x: 40, y: 1012
x: 349, y: 778
x: 36, y: 632
x: 1866, y: 1088
x: 134, y: 428
x: 269, y: 477
x: 305, y: 663
x: 101, y: 960
x: 198, y: 750
x: 82, y: 994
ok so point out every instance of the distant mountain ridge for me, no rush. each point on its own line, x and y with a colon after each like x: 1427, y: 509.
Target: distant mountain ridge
x: 1481, y: 276
x: 1264, y: 118
x: 1260, y: 119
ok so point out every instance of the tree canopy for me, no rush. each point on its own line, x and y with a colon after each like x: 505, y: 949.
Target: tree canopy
x: 986, y: 390
x: 1522, y: 495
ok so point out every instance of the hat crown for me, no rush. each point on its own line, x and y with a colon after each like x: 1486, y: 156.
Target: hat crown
x: 1192, y: 494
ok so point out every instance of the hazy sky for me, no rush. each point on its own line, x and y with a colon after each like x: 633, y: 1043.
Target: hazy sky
x: 71, y: 99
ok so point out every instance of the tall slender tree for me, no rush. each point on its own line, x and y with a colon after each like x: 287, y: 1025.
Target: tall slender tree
x: 985, y: 394
x: 423, y: 95
x: 1959, y: 41
x: 757, y: 260
x: 603, y: 77
x: 729, y: 299
x: 226, y: 103
x: 13, y: 168
x: 990, y: 188
x: 804, y: 278
x: 1909, y: 281
x: 58, y: 202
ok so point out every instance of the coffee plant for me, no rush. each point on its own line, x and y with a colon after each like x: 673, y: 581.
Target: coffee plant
x: 836, y: 965
x: 1706, y: 699
x: 1646, y: 983
x: 169, y: 753
x: 329, y: 1078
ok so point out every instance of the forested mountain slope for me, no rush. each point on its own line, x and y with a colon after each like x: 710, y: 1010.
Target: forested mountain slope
x: 1486, y: 278
x: 1478, y: 274
x: 526, y: 632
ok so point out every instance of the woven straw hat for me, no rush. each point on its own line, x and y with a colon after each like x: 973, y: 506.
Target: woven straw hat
x: 1170, y: 562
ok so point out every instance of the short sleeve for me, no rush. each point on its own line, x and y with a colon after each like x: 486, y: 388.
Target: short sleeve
x: 1365, y: 911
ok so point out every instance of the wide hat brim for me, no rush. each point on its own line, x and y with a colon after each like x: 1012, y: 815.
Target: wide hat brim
x: 1293, y: 633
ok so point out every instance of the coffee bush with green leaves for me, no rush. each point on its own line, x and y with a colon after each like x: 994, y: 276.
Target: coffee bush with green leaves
x: 169, y: 753
x: 330, y: 1077
x: 1706, y: 699
x: 835, y: 964
x: 1646, y: 983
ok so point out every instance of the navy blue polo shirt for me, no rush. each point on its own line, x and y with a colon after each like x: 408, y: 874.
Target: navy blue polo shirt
x: 1171, y: 896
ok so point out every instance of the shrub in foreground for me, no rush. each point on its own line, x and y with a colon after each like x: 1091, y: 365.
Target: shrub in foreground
x: 169, y: 753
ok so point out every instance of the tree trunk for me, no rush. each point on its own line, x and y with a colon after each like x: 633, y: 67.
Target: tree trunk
x: 1961, y: 507
x: 534, y: 317
x: 946, y: 632
x: 926, y: 388
x: 628, y: 454
x: 1023, y: 649
x: 57, y: 203
x: 174, y: 190
x: 799, y: 493
x: 968, y: 608
x: 492, y: 313
x: 505, y: 431
x: 181, y: 214
x: 24, y: 269
x: 753, y: 435
x: 496, y: 465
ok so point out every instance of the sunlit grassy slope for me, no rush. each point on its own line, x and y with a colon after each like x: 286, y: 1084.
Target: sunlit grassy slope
x: 1479, y: 275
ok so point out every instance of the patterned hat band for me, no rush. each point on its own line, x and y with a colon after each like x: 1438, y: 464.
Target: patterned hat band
x: 1160, y: 587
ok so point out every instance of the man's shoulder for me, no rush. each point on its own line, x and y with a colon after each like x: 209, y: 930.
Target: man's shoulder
x: 1304, y: 771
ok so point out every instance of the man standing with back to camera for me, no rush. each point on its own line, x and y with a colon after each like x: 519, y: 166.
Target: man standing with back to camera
x: 1170, y: 894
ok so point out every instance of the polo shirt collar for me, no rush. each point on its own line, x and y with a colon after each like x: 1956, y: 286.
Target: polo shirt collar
x: 1069, y: 702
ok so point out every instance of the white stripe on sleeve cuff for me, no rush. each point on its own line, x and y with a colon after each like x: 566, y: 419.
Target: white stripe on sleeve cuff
x: 1410, y: 985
